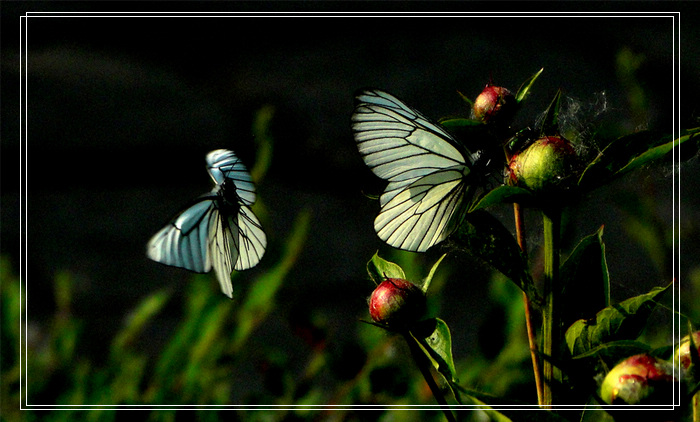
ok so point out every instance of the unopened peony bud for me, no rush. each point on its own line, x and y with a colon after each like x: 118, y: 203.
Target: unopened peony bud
x: 546, y: 166
x: 495, y: 104
x: 640, y: 379
x: 397, y: 302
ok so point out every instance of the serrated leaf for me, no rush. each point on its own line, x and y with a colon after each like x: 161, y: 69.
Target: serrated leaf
x: 622, y: 321
x: 525, y: 87
x: 585, y: 279
x: 434, y: 337
x: 380, y: 269
x: 484, y: 236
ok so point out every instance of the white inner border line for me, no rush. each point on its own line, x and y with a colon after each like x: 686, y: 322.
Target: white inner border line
x: 24, y: 405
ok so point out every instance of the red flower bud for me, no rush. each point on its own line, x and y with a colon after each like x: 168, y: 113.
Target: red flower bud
x: 397, y: 302
x: 546, y: 166
x: 495, y: 104
x: 640, y: 379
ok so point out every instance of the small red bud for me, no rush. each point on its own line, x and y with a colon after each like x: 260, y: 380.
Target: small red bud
x: 640, y: 379
x: 495, y: 104
x: 397, y: 302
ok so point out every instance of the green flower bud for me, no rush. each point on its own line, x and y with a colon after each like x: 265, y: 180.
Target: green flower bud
x: 547, y: 166
x: 396, y: 302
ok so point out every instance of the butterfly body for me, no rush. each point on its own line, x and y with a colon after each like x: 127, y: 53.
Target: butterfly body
x: 427, y: 169
x: 218, y: 230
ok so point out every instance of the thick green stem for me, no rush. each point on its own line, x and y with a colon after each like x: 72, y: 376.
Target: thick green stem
x: 550, y: 315
x: 424, y: 365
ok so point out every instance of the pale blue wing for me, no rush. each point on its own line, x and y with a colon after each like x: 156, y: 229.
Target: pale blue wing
x: 236, y: 242
x: 423, y: 202
x: 184, y: 241
x: 223, y: 165
x: 423, y: 213
x: 397, y: 142
x: 223, y: 251
x: 251, y: 241
x: 218, y: 231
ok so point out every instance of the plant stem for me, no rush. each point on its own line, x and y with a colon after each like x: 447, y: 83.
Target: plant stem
x: 520, y: 235
x: 424, y: 366
x: 550, y: 315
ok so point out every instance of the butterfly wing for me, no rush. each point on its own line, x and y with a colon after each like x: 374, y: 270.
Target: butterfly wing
x: 251, y: 240
x: 218, y: 231
x: 237, y: 241
x: 423, y: 164
x: 223, y: 165
x: 223, y: 251
x: 184, y: 242
x: 424, y: 212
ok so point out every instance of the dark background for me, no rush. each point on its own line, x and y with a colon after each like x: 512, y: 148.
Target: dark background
x: 121, y: 112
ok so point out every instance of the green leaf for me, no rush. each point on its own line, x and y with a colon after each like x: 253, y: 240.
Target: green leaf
x: 630, y: 152
x: 473, y: 134
x: 173, y: 358
x: 466, y: 99
x: 493, y: 415
x: 508, y: 408
x: 585, y: 279
x: 484, y: 236
x: 138, y: 319
x: 459, y: 122
x: 261, y: 297
x: 550, y: 123
x: 263, y: 142
x: 434, y: 337
x: 426, y: 282
x: 644, y: 224
x: 525, y: 87
x: 380, y: 269
x: 502, y: 195
x: 623, y: 321
x: 207, y: 347
x: 656, y: 152
x: 614, y: 351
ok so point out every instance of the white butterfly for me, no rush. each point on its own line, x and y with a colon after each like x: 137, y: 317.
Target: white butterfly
x: 424, y: 201
x: 218, y: 230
